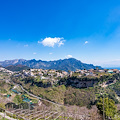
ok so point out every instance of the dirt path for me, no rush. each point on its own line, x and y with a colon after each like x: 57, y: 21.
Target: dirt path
x: 9, y: 118
x: 105, y: 85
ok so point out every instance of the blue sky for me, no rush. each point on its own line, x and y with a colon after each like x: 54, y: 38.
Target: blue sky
x: 87, y: 30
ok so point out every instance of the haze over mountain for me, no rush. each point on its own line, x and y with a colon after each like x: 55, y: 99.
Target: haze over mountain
x: 65, y: 64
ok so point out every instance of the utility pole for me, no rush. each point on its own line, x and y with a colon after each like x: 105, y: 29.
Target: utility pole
x: 29, y: 107
x: 44, y: 112
x: 102, y: 93
x: 103, y: 109
x: 4, y: 114
x: 12, y: 106
x: 103, y: 105
x: 17, y: 117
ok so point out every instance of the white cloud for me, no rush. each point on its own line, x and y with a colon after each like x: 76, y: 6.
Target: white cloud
x: 69, y: 56
x: 26, y: 45
x: 86, y: 42
x: 51, y: 42
x: 39, y: 42
x: 50, y: 53
x: 34, y: 53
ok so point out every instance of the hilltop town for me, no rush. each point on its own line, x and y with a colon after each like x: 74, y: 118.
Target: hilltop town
x: 54, y: 76
x: 57, y: 74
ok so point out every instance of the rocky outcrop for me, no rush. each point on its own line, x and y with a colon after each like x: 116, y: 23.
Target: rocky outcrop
x: 79, y: 82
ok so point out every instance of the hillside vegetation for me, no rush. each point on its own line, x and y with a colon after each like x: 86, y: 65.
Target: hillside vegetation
x: 65, y: 92
x: 17, y: 67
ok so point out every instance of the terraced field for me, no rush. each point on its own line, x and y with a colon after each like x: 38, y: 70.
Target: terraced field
x: 42, y: 113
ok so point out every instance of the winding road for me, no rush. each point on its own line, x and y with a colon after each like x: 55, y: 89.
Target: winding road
x: 36, y: 96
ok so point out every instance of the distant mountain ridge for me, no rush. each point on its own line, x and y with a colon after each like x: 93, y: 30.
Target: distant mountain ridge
x: 65, y: 64
x: 17, y: 67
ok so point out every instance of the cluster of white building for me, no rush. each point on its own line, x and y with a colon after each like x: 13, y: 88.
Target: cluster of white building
x: 5, y: 70
x: 43, y: 74
x: 55, y: 74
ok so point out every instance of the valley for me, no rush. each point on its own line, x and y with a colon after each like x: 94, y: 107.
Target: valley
x: 56, y: 94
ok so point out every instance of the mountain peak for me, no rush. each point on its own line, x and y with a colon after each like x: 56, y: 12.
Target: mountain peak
x: 73, y: 59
